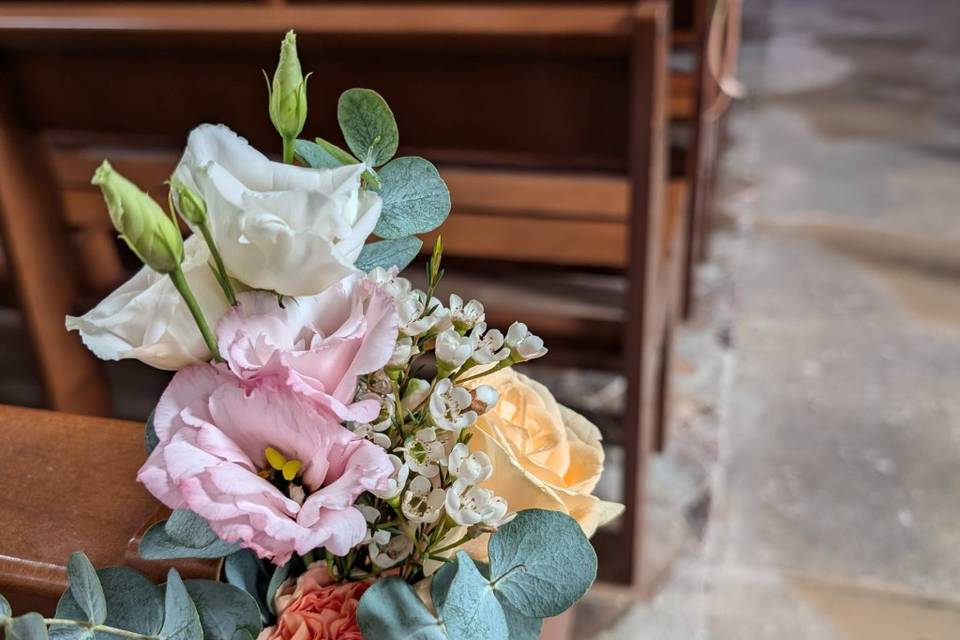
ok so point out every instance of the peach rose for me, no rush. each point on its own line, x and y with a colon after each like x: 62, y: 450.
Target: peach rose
x: 316, y: 608
x: 544, y: 455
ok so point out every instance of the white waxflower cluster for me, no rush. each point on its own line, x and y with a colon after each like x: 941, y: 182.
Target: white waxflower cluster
x: 424, y: 424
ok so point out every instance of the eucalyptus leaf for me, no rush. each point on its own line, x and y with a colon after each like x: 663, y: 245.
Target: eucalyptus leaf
x: 244, y: 570
x: 224, y: 609
x: 180, y: 620
x: 5, y: 610
x: 389, y: 253
x: 279, y: 575
x: 368, y: 126
x: 470, y: 610
x: 316, y: 156
x: 134, y: 603
x: 541, y: 563
x: 71, y: 632
x: 29, y: 626
x: 415, y: 198
x: 150, y: 439
x: 521, y: 627
x: 391, y: 610
x: 85, y: 588
x: 189, y: 529
x: 188, y: 537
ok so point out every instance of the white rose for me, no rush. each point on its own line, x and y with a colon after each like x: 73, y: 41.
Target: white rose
x: 146, y: 318
x: 278, y: 227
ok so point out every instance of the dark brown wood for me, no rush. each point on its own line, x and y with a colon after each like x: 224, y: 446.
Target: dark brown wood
x: 43, y: 269
x: 70, y: 484
x: 648, y: 111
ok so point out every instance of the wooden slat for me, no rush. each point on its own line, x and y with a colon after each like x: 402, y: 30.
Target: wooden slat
x: 69, y: 484
x: 604, y: 19
x: 682, y: 96
x: 549, y: 195
x: 566, y: 242
x: 556, y: 195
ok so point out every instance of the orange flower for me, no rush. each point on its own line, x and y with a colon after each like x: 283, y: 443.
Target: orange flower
x: 315, y: 608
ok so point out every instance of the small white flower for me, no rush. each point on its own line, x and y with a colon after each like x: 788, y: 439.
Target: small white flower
x: 523, y: 344
x: 472, y: 468
x: 465, y: 316
x: 419, y: 316
x: 423, y: 452
x: 390, y: 281
x: 385, y: 551
x: 488, y: 348
x: 469, y: 505
x: 422, y: 502
x: 450, y: 406
x: 370, y: 514
x: 397, y: 480
x: 485, y: 398
x: 374, y: 431
x: 416, y: 392
x: 403, y: 352
x: 453, y: 349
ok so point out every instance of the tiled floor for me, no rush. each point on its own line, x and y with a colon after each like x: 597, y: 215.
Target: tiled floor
x: 835, y: 493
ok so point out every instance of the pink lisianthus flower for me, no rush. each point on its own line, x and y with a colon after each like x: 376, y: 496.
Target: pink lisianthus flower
x: 318, y: 345
x: 214, y: 431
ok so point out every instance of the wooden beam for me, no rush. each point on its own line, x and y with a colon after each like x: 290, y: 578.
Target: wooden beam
x: 518, y: 19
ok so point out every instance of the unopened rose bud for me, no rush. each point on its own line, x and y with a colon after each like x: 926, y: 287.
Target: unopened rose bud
x: 148, y: 231
x: 189, y: 203
x: 288, y: 93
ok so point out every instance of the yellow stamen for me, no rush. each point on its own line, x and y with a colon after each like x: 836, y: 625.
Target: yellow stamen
x: 291, y: 469
x: 275, y: 458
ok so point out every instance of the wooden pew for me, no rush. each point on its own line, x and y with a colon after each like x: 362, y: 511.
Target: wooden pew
x: 709, y: 31
x: 548, y: 120
x: 69, y: 484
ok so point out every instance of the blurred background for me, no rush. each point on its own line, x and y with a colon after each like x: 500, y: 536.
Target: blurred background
x: 734, y: 223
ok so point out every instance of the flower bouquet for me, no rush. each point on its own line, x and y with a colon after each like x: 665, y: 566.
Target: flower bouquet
x: 361, y: 455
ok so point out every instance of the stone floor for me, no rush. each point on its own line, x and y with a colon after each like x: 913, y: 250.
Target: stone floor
x: 828, y: 433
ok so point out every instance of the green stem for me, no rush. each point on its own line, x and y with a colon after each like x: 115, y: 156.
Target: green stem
x: 224, y: 279
x: 500, y: 365
x: 123, y: 633
x: 288, y: 150
x: 180, y: 282
x: 466, y: 538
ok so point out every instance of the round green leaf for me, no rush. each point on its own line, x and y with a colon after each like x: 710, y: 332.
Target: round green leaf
x: 85, y: 588
x: 470, y: 610
x: 521, y: 627
x: 541, y: 563
x: 279, y: 575
x: 415, y: 198
x: 180, y: 620
x: 391, y: 610
x: 134, y: 603
x: 5, y: 610
x: 368, y: 126
x: 244, y: 570
x: 388, y: 253
x: 224, y: 609
x: 184, y: 535
x: 322, y: 154
x: 29, y: 626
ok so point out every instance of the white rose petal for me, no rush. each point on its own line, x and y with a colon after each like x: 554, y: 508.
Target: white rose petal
x: 146, y: 318
x: 279, y: 227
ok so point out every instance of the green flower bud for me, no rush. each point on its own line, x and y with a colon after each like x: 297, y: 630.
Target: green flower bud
x: 288, y: 94
x: 189, y: 203
x: 142, y: 224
